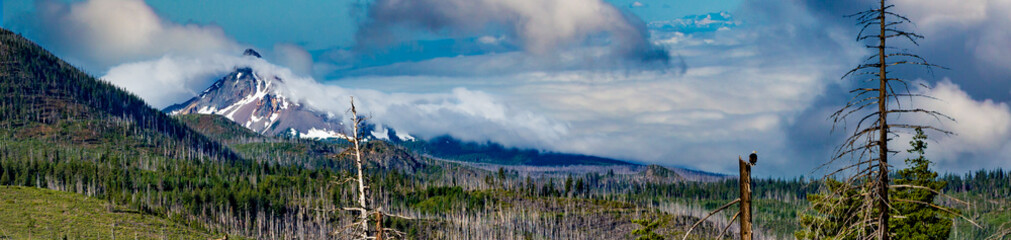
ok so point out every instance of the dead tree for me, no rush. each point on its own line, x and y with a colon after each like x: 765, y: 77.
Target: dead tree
x: 363, y: 209
x: 355, y: 140
x: 745, y: 186
x: 744, y: 202
x: 878, y: 98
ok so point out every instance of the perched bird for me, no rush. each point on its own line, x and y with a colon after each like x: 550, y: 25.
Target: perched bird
x: 753, y: 158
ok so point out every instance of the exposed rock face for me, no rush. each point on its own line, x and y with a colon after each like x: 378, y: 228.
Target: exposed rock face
x: 255, y: 102
x: 251, y: 52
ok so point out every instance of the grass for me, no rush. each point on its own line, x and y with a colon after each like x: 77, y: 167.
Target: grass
x: 34, y: 213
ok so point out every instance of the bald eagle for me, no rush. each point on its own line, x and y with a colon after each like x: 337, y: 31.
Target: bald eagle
x: 753, y: 158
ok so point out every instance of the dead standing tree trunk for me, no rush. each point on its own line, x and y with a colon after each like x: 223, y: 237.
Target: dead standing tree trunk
x: 363, y: 207
x: 744, y: 202
x: 745, y: 183
x: 355, y: 139
x: 882, y: 185
x: 876, y: 99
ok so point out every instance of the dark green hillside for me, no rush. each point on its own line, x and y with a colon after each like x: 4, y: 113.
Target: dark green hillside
x: 45, y: 98
x: 64, y: 130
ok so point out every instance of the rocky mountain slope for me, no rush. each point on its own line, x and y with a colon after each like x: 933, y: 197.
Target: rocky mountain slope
x: 252, y: 99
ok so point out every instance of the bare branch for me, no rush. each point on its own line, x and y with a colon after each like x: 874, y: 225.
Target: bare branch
x: 947, y: 210
x: 708, y: 215
x: 910, y: 126
x: 730, y: 223
x: 928, y: 189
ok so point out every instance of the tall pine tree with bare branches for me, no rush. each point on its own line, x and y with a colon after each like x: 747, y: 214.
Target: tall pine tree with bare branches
x: 880, y: 98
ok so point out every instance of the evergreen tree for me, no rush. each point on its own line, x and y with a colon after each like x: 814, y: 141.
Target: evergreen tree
x: 568, y: 185
x: 921, y: 221
x: 645, y: 231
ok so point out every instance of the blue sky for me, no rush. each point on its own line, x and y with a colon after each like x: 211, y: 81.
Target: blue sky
x: 677, y: 83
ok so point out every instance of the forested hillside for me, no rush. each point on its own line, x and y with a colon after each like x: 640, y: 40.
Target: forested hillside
x: 62, y: 129
x: 45, y: 98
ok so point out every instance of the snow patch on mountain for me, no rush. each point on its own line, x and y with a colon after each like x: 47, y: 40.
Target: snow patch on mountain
x: 314, y: 133
x: 256, y: 99
x: 405, y: 136
x: 381, y: 133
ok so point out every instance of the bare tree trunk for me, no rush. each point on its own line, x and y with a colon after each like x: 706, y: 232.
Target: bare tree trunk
x: 379, y: 225
x: 745, y: 212
x: 882, y: 186
x: 358, y: 163
x: 865, y: 141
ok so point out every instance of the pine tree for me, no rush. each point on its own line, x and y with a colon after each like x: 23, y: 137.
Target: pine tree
x: 645, y: 231
x: 920, y: 220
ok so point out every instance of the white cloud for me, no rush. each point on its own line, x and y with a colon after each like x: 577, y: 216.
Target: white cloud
x: 732, y: 100
x: 982, y: 130
x: 935, y: 15
x: 490, y: 40
x: 173, y: 79
x: 983, y: 23
x: 294, y: 57
x: 541, y: 26
x: 102, y: 33
x: 462, y: 113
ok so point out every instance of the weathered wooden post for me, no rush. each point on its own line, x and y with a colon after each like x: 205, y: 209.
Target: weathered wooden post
x: 379, y: 225
x: 744, y: 201
x: 745, y: 182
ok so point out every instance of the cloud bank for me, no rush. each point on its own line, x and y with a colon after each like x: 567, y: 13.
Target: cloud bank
x: 963, y: 36
x: 982, y: 130
x: 171, y: 79
x: 99, y: 34
x: 462, y: 113
x: 970, y: 37
x: 539, y: 26
x: 103, y: 33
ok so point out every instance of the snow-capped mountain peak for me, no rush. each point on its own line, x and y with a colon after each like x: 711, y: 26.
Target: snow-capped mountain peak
x: 254, y: 100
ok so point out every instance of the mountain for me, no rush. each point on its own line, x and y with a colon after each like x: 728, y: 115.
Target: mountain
x: 45, y: 99
x: 219, y: 128
x: 253, y: 100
